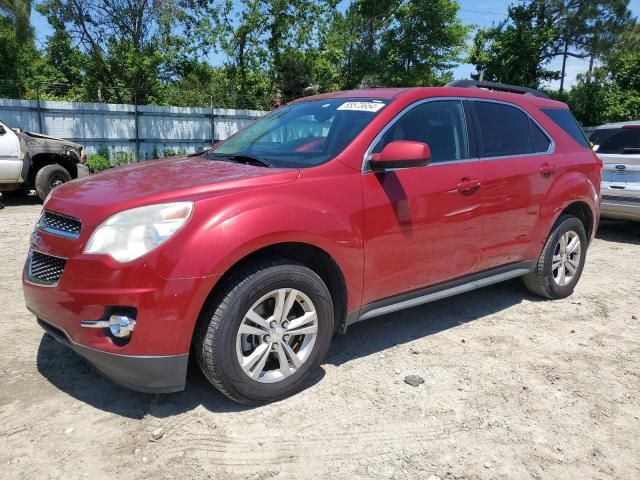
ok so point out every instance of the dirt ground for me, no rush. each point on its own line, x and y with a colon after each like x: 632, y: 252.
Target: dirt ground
x: 515, y: 387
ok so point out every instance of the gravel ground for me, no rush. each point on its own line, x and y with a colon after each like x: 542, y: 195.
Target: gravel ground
x: 514, y: 387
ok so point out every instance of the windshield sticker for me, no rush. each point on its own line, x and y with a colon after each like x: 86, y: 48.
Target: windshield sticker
x: 361, y: 106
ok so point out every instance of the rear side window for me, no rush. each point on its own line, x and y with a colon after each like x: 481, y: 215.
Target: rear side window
x: 565, y: 120
x: 541, y: 142
x: 504, y: 130
x: 617, y: 140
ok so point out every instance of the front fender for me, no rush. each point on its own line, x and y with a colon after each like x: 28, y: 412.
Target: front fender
x: 214, y: 242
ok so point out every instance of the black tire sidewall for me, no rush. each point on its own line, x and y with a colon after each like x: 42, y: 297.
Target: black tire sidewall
x: 564, y: 226
x: 43, y: 183
x: 231, y: 374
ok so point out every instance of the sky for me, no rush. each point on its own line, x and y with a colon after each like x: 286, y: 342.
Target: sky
x: 482, y: 13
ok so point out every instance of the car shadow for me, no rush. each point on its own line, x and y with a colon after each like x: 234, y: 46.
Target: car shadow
x: 18, y: 201
x: 619, y: 231
x: 378, y: 334
x: 73, y: 375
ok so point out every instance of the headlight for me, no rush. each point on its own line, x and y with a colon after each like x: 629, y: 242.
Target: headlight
x: 133, y: 233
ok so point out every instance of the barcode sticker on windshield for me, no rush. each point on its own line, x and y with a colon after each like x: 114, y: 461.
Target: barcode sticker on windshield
x: 361, y: 106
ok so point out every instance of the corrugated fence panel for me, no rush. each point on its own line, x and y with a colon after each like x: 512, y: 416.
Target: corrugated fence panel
x: 161, y: 130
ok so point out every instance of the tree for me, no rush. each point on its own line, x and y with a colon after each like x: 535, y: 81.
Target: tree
x: 423, y: 42
x: 128, y: 43
x: 516, y: 50
x: 20, y: 61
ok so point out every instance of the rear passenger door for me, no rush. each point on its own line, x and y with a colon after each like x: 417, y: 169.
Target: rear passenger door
x: 514, y: 152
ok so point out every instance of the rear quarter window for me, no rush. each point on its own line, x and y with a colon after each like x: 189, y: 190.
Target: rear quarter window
x: 566, y: 121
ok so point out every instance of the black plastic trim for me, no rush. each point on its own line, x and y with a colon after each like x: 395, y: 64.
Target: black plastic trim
x: 440, y: 287
x: 148, y: 374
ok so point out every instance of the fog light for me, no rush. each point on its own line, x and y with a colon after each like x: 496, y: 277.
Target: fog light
x: 121, y: 326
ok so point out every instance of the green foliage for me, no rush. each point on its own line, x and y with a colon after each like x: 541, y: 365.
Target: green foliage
x: 517, y: 49
x: 98, y: 163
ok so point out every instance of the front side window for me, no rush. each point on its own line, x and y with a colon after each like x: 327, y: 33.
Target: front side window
x: 302, y: 134
x: 504, y: 130
x: 440, y: 124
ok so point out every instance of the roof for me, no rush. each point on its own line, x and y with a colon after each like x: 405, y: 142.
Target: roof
x: 618, y: 124
x: 426, y: 92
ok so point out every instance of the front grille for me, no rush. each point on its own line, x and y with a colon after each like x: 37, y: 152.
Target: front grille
x: 60, y: 224
x: 45, y: 269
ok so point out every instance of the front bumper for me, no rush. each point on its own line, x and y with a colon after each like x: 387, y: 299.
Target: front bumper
x: 620, y: 208
x: 154, y: 359
x: 149, y: 374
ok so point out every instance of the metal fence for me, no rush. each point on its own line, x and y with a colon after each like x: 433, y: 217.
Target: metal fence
x: 146, y: 131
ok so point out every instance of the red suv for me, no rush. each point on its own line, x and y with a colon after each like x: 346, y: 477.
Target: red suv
x: 330, y: 210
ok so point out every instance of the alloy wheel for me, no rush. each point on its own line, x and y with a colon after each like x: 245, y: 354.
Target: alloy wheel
x: 566, y: 258
x: 277, y: 335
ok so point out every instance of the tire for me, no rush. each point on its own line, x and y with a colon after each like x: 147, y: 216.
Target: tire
x: 49, y: 177
x: 220, y: 347
x: 545, y: 280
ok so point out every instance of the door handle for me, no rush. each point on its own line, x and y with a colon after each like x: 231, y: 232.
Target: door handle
x: 546, y: 170
x: 468, y: 186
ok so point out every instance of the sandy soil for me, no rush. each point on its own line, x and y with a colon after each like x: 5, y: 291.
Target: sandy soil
x: 514, y: 387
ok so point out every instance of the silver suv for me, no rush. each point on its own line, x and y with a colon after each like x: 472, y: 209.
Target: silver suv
x: 618, y: 146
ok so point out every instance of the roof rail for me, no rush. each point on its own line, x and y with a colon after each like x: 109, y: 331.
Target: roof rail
x: 501, y: 87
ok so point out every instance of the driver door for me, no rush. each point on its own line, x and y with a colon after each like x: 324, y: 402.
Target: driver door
x: 423, y: 225
x: 10, y: 163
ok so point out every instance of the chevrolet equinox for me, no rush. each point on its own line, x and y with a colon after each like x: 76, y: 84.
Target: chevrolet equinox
x: 332, y: 209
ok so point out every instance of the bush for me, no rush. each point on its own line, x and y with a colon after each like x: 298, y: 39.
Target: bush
x: 98, y: 163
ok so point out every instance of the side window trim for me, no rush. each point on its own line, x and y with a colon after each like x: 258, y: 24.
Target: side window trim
x: 365, y: 164
x: 552, y: 143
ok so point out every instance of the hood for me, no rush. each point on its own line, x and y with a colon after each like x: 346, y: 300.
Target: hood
x: 39, y: 136
x: 94, y: 198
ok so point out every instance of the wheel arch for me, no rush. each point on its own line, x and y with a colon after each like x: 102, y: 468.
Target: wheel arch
x: 43, y: 159
x: 307, y: 254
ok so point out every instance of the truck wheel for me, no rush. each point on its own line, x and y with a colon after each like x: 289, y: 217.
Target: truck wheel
x: 561, y: 261
x: 265, y: 332
x: 49, y: 177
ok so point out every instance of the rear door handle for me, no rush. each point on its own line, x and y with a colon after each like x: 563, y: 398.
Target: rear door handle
x: 468, y: 185
x: 546, y: 170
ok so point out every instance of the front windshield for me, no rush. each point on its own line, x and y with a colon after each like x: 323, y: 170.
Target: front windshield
x: 302, y: 134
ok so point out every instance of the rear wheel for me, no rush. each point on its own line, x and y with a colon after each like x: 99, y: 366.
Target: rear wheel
x: 50, y: 177
x: 262, y: 337
x: 561, y: 262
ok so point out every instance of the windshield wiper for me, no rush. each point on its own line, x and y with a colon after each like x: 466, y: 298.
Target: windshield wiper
x: 240, y: 158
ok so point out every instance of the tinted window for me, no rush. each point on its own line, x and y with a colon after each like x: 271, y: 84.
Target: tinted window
x: 617, y: 140
x: 564, y: 119
x: 439, y: 124
x: 541, y: 142
x: 504, y: 130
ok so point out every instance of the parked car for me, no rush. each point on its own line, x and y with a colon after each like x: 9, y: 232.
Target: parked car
x: 618, y: 146
x: 332, y: 209
x: 30, y: 160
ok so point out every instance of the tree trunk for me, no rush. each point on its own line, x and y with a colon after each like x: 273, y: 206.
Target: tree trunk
x: 564, y: 64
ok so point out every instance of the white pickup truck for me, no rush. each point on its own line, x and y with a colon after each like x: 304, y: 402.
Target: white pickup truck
x: 30, y: 160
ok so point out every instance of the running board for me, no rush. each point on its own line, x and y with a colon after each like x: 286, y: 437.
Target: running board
x: 445, y: 290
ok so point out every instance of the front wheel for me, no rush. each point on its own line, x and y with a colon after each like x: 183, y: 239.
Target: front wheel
x: 265, y: 332
x: 50, y: 177
x: 561, y: 262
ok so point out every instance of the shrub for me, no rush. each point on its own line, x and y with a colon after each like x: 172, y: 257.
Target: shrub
x: 98, y: 162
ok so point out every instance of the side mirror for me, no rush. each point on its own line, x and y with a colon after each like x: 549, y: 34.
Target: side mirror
x: 401, y: 154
